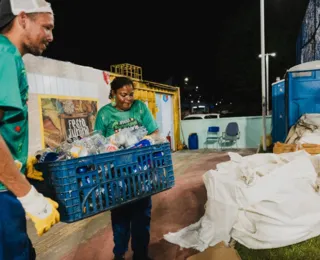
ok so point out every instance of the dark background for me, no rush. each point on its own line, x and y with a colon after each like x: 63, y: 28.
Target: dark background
x: 215, y: 44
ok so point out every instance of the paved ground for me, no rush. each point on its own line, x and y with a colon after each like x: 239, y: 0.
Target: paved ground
x: 91, y: 239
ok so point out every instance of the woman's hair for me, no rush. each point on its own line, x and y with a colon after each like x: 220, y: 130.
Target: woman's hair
x: 119, y: 82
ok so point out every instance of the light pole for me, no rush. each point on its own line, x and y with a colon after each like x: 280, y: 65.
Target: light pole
x: 263, y: 75
x: 273, y: 54
x: 267, y: 85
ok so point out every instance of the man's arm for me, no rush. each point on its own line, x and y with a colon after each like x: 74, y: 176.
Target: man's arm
x: 42, y: 211
x: 9, y: 173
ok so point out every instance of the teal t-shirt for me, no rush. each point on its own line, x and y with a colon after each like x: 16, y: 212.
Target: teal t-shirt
x: 13, y: 101
x: 110, y: 120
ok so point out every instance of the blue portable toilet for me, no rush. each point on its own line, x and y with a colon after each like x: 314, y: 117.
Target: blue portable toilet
x: 278, y: 112
x: 302, y: 91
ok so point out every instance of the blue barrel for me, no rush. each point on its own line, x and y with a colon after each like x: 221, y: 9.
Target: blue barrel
x: 193, y: 141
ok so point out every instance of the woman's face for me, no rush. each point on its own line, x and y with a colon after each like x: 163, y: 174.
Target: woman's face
x: 124, y: 97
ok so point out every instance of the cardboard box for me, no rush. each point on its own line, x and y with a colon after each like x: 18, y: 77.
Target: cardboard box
x: 218, y: 252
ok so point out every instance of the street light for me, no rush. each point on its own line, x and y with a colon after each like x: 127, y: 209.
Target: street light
x: 273, y: 54
x: 263, y: 75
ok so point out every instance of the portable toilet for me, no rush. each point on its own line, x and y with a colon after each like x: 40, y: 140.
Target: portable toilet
x: 302, y: 91
x: 278, y: 112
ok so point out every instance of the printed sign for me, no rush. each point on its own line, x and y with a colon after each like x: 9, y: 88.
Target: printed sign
x: 66, y: 118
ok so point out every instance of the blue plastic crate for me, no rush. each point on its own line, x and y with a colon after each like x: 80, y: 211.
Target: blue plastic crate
x: 89, y: 185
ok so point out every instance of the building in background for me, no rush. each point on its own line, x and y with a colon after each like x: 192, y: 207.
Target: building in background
x: 308, y: 42
x: 193, y: 99
x: 65, y: 97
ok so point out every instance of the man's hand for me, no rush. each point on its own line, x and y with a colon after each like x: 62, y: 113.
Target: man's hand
x: 42, y: 211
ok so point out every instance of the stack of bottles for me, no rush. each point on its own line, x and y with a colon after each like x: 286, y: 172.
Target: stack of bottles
x: 96, y: 143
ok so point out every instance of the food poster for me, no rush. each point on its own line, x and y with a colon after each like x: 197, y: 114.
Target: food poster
x: 65, y: 118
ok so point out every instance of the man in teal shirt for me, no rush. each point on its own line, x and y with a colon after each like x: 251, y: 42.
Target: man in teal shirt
x: 126, y: 113
x: 13, y: 100
x: 25, y: 27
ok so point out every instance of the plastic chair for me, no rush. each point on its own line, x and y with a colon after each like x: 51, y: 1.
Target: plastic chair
x: 231, y: 134
x: 213, y: 135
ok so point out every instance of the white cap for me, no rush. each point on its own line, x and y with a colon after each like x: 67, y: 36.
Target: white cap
x: 9, y: 9
x: 30, y: 6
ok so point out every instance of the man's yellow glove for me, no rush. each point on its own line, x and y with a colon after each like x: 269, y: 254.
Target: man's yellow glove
x: 41, y: 210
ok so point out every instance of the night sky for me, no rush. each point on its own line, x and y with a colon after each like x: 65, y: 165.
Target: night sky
x: 216, y: 44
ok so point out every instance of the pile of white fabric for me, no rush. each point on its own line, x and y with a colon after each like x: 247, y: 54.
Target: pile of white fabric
x: 305, y: 131
x: 262, y: 201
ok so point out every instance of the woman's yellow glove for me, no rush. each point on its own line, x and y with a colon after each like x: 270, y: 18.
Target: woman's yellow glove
x: 32, y: 173
x: 41, y: 210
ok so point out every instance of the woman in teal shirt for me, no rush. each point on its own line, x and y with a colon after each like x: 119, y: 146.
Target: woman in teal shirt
x: 125, y: 112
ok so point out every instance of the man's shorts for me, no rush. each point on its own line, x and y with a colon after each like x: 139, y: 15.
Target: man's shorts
x: 14, y: 241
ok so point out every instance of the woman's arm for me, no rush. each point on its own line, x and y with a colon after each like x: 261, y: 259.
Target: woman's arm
x: 155, y: 133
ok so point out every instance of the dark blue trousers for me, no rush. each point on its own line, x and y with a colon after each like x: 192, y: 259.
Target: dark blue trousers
x: 132, y: 219
x: 14, y: 241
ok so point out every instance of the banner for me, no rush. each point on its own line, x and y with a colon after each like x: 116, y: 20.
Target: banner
x: 65, y: 118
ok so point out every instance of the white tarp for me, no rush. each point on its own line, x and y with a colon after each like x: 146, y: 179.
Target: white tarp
x: 262, y: 201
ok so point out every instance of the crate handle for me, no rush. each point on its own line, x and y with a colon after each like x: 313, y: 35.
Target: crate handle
x: 84, y: 162
x: 157, y: 149
x: 125, y: 159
